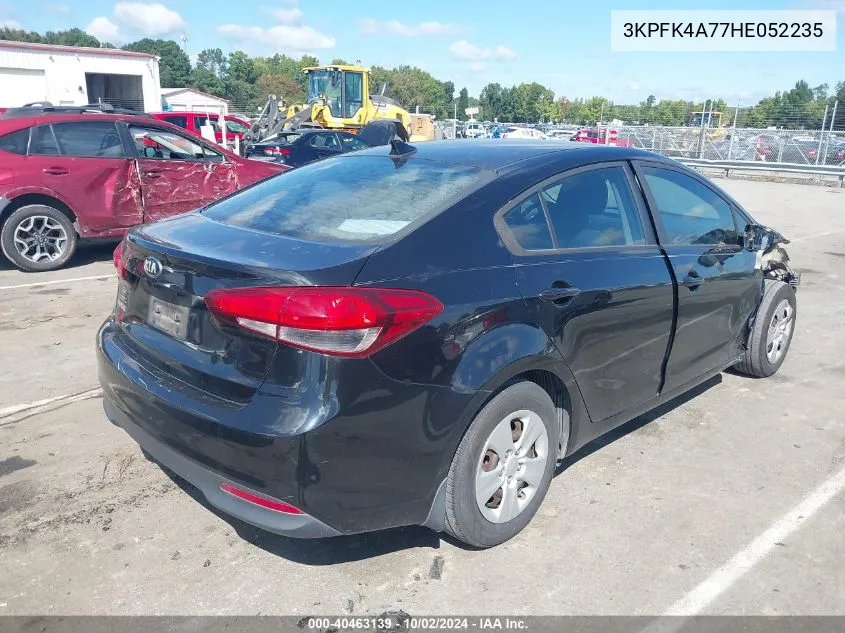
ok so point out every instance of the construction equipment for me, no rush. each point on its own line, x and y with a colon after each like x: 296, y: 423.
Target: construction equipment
x: 339, y: 99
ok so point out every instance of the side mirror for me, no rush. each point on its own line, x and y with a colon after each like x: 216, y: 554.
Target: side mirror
x: 761, y: 238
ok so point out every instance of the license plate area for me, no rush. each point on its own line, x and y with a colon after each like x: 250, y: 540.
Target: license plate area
x: 169, y: 318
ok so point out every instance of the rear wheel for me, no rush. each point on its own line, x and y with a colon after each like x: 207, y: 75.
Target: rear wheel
x: 772, y: 333
x: 503, y: 466
x: 37, y: 238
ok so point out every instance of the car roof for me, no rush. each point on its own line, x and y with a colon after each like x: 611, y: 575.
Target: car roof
x: 500, y: 156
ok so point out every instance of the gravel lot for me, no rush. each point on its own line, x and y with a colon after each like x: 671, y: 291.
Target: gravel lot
x: 630, y: 526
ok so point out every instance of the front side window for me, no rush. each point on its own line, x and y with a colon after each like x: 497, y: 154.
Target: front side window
x: 690, y: 212
x: 236, y: 127
x: 15, y: 142
x: 155, y: 143
x: 324, y: 141
x: 91, y: 139
x: 350, y: 143
x: 357, y: 198
x: 594, y: 208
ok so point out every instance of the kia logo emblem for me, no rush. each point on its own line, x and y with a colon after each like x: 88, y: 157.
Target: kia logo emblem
x: 152, y: 267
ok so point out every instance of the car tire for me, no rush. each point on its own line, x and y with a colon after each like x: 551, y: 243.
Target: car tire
x: 511, y: 419
x: 772, y: 333
x: 40, y: 222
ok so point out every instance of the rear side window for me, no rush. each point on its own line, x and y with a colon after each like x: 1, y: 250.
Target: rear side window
x: 15, y: 142
x: 352, y: 199
x: 92, y: 139
x: 527, y: 224
x: 594, y: 208
x: 43, y: 142
x: 324, y: 141
x: 690, y: 212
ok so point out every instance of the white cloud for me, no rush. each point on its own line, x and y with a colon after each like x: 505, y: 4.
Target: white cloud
x: 369, y: 26
x: 148, y: 18
x: 10, y: 24
x: 104, y: 30
x: 479, y: 67
x: 633, y: 86
x: 287, y: 16
x: 279, y: 37
x: 472, y: 53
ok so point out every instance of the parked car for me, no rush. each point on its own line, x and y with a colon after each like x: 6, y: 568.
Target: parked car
x: 522, y: 132
x: 194, y: 121
x: 473, y: 129
x: 67, y: 174
x: 322, y: 370
x: 601, y: 136
x: 304, y: 146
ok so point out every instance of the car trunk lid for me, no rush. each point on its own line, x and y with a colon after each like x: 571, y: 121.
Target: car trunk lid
x: 170, y: 266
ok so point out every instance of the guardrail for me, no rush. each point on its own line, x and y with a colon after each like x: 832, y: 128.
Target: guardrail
x: 744, y: 165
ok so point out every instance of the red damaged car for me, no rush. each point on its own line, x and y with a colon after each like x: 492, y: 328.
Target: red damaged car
x: 81, y: 173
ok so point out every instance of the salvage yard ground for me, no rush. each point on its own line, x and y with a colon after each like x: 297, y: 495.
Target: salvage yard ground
x: 634, y: 526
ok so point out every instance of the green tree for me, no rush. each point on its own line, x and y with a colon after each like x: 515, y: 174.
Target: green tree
x: 174, y: 65
x: 206, y: 81
x: 212, y: 60
x: 339, y: 61
x: 491, y: 101
x: 19, y: 35
x: 71, y: 37
x: 283, y: 86
x: 463, y: 101
x: 240, y: 67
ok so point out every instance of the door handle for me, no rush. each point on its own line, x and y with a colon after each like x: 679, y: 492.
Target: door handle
x: 152, y: 173
x: 693, y: 280
x: 55, y: 171
x: 559, y: 294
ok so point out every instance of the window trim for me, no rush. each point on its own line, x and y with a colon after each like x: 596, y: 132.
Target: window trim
x: 28, y: 131
x: 641, y: 212
x: 655, y: 212
x: 49, y: 126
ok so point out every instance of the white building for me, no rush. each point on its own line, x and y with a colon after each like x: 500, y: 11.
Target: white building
x: 190, y: 100
x: 70, y: 75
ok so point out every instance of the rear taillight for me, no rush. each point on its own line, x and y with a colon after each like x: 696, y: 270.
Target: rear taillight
x: 119, y: 259
x: 339, y: 321
x: 276, y: 151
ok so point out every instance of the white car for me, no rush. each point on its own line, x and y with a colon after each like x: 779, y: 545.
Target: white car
x: 523, y: 132
x: 474, y: 129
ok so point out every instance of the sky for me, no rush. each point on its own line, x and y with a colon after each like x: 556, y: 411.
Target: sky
x: 562, y: 45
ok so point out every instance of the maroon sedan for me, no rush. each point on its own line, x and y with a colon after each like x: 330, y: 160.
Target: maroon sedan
x: 71, y: 175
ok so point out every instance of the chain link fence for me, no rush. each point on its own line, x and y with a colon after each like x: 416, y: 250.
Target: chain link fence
x: 800, y: 147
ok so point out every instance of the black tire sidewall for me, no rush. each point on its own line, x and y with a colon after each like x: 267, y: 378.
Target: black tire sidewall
x: 8, y: 232
x: 775, y: 293
x: 472, y: 526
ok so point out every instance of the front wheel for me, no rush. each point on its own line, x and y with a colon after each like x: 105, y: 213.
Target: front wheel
x: 38, y: 238
x: 503, y: 466
x: 772, y: 332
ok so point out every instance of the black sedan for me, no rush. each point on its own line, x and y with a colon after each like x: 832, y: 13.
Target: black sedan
x: 305, y: 146
x: 416, y: 335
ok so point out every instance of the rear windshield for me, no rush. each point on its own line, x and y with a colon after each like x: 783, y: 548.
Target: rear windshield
x: 350, y: 199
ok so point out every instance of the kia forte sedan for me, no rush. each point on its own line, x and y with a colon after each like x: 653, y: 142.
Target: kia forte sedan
x: 416, y: 335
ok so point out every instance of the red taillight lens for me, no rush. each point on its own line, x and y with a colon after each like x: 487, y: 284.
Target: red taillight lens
x: 276, y: 151
x: 339, y: 321
x: 119, y: 260
x: 264, y: 502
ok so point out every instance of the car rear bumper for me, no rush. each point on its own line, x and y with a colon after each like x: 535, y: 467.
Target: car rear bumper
x: 208, y: 482
x: 373, y: 458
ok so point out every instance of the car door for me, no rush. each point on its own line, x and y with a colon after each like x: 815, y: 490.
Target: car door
x: 86, y: 163
x: 592, y: 275
x: 718, y: 286
x: 174, y: 172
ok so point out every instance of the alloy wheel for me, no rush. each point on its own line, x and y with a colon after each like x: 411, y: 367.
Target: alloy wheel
x: 40, y: 238
x: 780, y: 331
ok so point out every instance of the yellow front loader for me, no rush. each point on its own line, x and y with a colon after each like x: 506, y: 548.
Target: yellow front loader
x: 339, y: 99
